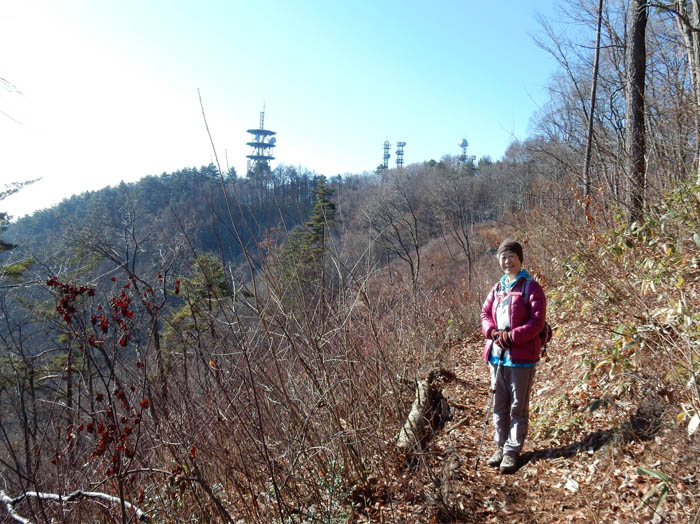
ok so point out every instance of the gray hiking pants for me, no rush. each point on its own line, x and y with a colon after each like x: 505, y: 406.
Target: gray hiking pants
x: 511, y: 402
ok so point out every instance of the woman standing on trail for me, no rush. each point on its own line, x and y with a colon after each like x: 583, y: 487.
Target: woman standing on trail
x: 511, y: 320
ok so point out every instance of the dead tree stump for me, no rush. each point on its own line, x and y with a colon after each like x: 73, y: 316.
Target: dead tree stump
x: 429, y: 411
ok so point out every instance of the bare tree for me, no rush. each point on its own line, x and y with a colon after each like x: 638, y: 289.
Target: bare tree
x: 635, y: 82
x: 689, y: 25
x: 452, y: 200
x: 591, y: 111
x: 688, y: 21
x: 393, y: 215
x: 669, y: 103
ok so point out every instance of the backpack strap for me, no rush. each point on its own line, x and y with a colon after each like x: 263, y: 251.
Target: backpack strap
x: 526, y: 295
x: 526, y: 298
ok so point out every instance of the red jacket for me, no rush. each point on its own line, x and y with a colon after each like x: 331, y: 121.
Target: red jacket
x: 526, y: 321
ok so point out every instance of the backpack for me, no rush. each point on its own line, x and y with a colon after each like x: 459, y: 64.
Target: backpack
x: 546, y: 333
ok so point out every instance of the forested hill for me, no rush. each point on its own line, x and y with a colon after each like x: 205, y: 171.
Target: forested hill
x: 194, y: 211
x: 194, y: 203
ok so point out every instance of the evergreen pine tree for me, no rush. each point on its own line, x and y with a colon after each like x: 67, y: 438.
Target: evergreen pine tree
x: 16, y: 269
x: 4, y: 220
x: 302, y: 257
x: 322, y: 219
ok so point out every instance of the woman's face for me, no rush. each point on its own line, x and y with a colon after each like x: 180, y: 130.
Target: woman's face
x: 510, y: 263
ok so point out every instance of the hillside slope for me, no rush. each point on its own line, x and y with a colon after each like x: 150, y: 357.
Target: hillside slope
x: 614, y: 409
x: 580, y: 462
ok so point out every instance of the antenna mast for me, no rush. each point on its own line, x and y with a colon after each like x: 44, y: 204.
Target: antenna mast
x: 463, y: 157
x: 387, y: 155
x: 464, y: 160
x: 399, y: 153
x: 261, y: 147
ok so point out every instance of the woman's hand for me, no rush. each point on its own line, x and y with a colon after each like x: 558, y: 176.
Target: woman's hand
x: 504, y: 340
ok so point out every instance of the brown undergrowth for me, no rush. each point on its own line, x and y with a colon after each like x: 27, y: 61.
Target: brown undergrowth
x: 613, y: 434
x: 285, y: 409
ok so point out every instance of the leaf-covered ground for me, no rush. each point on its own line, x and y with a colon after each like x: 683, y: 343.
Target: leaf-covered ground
x: 581, y: 462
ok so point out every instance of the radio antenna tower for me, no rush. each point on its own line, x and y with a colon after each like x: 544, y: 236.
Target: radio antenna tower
x: 261, y: 147
x: 399, y: 153
x: 463, y: 157
x: 387, y: 155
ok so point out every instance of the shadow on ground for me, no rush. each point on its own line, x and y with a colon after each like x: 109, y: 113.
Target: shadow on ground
x: 591, y: 442
x: 642, y: 425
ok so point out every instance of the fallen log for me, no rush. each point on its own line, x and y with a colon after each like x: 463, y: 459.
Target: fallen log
x: 428, y: 412
x: 454, y: 499
x: 413, y: 429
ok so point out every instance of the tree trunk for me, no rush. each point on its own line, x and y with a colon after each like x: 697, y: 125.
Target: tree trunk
x: 413, y: 430
x: 689, y: 26
x: 635, y: 76
x: 591, y: 111
x: 428, y: 412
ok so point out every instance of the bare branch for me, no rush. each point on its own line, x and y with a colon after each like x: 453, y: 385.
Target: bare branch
x: 11, y: 502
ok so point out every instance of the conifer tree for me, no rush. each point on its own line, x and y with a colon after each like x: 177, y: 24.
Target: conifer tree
x: 302, y: 258
x: 4, y: 246
x: 16, y: 269
x: 201, y: 291
x: 322, y: 218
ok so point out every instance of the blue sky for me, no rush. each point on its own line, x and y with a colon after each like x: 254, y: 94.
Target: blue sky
x: 107, y: 91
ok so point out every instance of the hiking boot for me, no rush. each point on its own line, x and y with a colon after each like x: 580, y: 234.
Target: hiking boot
x: 495, y: 460
x: 509, y: 464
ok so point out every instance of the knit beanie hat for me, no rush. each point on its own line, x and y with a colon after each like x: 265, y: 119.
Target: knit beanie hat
x: 511, y: 245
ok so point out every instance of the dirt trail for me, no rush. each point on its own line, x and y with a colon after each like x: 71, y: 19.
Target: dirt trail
x: 578, y: 464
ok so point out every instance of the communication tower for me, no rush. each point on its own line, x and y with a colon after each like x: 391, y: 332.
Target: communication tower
x: 399, y: 153
x: 387, y: 155
x: 463, y: 157
x: 261, y: 147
